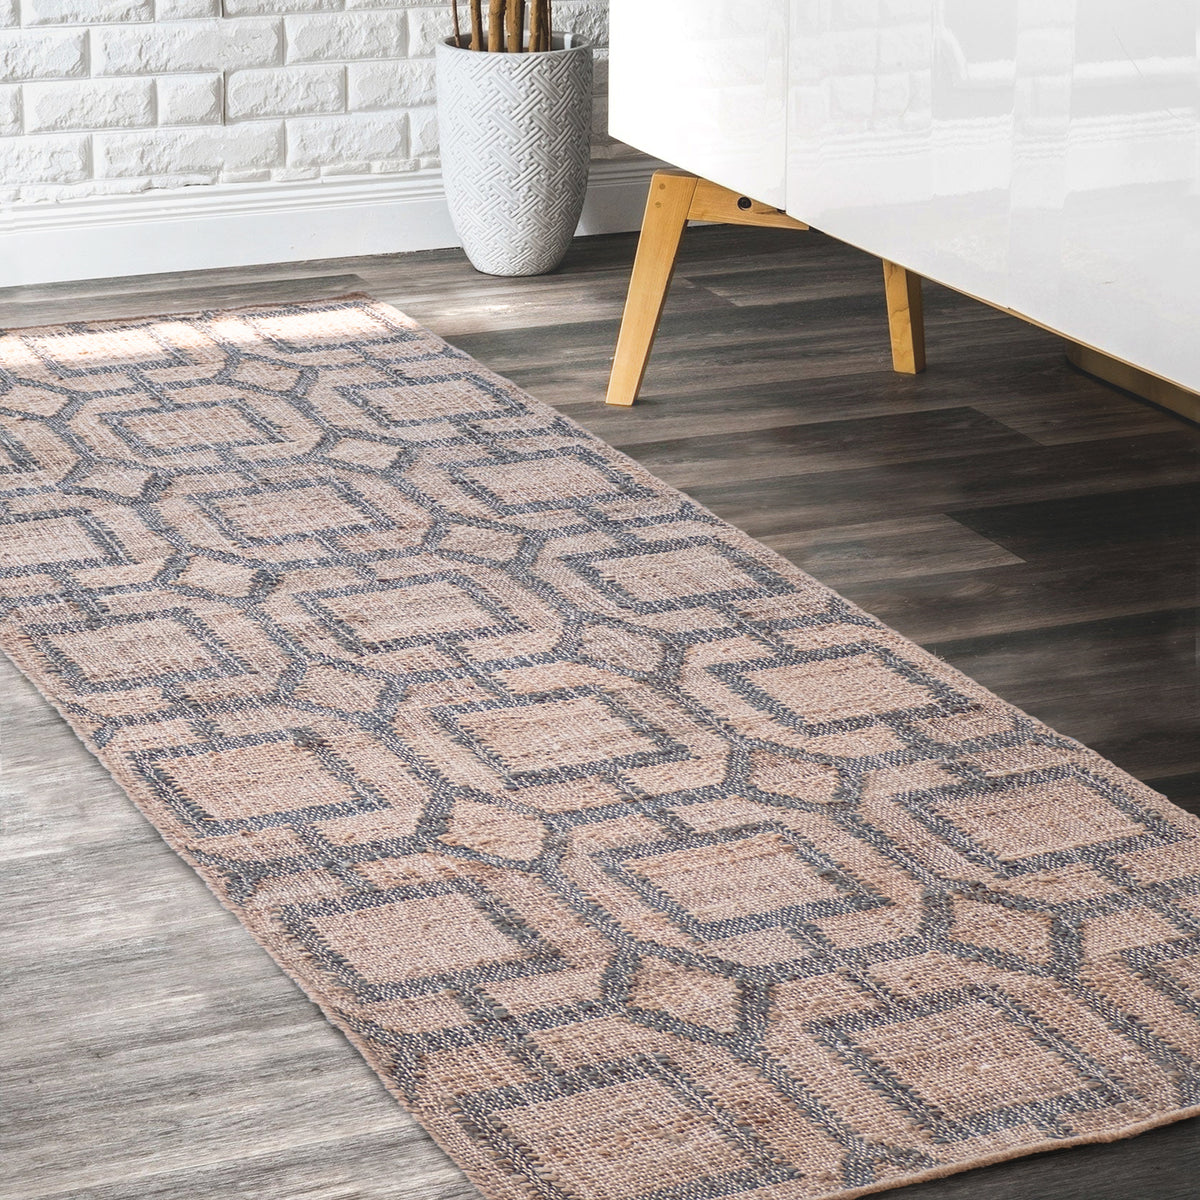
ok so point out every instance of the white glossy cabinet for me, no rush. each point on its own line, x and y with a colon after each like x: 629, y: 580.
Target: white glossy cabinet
x: 703, y: 83
x: 1043, y: 155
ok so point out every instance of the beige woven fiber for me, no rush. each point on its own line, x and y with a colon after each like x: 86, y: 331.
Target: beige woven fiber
x: 638, y: 864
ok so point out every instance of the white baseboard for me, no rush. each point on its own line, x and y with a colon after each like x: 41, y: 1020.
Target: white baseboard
x: 239, y: 225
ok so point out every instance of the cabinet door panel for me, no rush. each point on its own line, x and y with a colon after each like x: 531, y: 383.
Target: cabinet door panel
x: 1043, y: 157
x: 702, y: 84
x: 900, y: 124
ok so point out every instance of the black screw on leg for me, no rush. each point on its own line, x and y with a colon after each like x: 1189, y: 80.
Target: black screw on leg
x: 744, y: 202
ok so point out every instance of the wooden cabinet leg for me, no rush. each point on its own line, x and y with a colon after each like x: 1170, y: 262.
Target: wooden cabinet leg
x: 674, y: 197
x: 906, y: 318
x: 667, y: 208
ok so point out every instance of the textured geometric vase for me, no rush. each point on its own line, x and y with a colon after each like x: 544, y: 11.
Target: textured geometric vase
x: 515, y: 141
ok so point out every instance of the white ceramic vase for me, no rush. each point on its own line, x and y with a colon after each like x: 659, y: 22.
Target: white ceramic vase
x: 515, y: 133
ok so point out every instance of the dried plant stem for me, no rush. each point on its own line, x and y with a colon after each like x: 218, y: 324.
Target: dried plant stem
x: 496, y: 25
x: 505, y: 28
x: 539, y: 25
x: 516, y: 25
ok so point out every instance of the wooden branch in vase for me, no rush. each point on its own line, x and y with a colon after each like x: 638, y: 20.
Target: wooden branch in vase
x: 539, y: 25
x: 516, y: 25
x: 505, y: 27
x: 496, y: 25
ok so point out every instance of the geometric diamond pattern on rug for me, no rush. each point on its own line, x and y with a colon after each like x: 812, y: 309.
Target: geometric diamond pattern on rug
x: 258, y: 515
x: 1056, y: 815
x: 430, y: 608
x: 120, y: 653
x: 973, y: 1069
x: 682, y: 993
x: 1000, y: 927
x: 430, y: 935
x: 726, y: 881
x: 127, y: 482
x: 638, y: 864
x: 195, y: 426
x: 853, y: 686
x: 696, y: 570
x: 49, y: 539
x: 531, y: 483
x: 555, y: 734
x: 681, y: 1146
x: 253, y: 781
x: 223, y: 578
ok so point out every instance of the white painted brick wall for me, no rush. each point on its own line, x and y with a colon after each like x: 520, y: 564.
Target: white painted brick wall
x: 83, y: 12
x: 165, y: 46
x: 42, y: 54
x: 341, y: 37
x: 104, y: 97
x: 285, y: 92
x: 182, y: 10
x: 208, y: 150
x: 393, y: 83
x: 88, y: 104
x: 190, y: 99
x: 10, y: 109
x: 60, y: 159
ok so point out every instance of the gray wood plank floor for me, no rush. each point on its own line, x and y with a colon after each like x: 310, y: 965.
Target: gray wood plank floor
x: 1036, y: 528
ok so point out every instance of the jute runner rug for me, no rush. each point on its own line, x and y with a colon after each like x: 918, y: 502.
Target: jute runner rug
x: 635, y: 861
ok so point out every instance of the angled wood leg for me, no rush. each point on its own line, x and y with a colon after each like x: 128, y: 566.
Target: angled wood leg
x: 676, y: 198
x: 906, y: 318
x: 666, y: 215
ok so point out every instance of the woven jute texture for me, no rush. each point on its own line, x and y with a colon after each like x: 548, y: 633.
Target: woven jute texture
x: 636, y: 862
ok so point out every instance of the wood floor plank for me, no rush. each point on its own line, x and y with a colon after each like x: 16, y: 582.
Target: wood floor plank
x: 813, y: 448
x: 1011, y: 599
x: 947, y: 484
x: 1101, y: 521
x: 1031, y: 524
x: 153, y: 301
x: 891, y: 549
